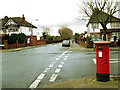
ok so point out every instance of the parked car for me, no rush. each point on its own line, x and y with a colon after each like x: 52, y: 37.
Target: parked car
x: 71, y: 41
x: 112, y: 39
x: 66, y: 43
x: 96, y: 39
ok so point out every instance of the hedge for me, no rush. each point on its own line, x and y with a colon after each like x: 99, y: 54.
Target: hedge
x: 12, y: 39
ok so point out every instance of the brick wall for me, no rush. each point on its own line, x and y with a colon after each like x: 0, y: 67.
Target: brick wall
x: 40, y: 42
x: 15, y: 45
x: 84, y: 42
x: 34, y: 41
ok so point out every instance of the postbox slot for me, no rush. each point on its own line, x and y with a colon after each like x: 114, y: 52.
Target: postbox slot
x: 99, y: 48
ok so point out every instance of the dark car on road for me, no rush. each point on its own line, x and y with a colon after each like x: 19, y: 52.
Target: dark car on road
x: 66, y: 43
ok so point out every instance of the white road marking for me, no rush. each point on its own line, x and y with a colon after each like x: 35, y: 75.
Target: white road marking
x: 57, y: 58
x: 46, y: 70
x: 114, y: 61
x: 94, y: 60
x: 60, y: 66
x: 41, y: 76
x: 51, y: 65
x: 111, y: 61
x: 57, y: 70
x: 60, y: 55
x: 65, y: 59
x: 35, y: 84
x: 62, y: 62
x: 53, y: 77
x: 114, y: 51
x: 65, y: 52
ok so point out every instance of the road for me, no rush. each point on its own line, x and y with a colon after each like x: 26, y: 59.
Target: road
x: 37, y: 67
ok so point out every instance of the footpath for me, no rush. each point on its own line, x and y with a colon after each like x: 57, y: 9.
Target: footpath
x: 76, y: 47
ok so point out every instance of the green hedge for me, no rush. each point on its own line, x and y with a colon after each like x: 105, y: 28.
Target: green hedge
x: 52, y: 39
x: 12, y: 39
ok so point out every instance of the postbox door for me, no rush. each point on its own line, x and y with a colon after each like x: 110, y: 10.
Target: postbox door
x: 106, y: 60
x: 100, y: 61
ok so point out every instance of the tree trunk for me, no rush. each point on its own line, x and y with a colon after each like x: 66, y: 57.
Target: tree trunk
x: 105, y: 31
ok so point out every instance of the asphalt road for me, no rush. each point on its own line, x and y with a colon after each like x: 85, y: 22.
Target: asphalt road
x: 37, y: 67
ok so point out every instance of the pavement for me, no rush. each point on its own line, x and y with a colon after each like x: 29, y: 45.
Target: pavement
x: 89, y: 82
x: 77, y: 47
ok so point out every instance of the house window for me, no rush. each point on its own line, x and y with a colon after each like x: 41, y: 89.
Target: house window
x: 114, y: 25
x: 13, y: 29
x: 95, y: 25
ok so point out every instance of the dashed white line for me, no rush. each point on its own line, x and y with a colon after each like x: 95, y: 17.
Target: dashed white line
x: 54, y: 45
x: 53, y: 77
x: 57, y: 58
x: 57, y: 70
x: 41, y: 76
x: 62, y: 62
x: 35, y: 84
x: 60, y: 66
x: 46, y: 70
x: 65, y: 59
x: 51, y: 65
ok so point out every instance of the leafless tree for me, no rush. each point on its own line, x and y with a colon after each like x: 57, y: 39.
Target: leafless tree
x: 101, y: 11
x: 65, y: 33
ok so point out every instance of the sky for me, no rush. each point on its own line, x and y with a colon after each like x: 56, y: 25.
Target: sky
x: 48, y: 12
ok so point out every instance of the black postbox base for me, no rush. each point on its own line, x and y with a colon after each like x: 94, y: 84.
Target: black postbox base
x: 103, y: 77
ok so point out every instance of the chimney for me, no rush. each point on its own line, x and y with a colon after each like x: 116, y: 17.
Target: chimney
x: 23, y: 18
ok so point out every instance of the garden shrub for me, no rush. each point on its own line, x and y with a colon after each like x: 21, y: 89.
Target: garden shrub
x: 12, y: 39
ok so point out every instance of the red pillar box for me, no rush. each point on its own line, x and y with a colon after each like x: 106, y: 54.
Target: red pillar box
x: 102, y: 60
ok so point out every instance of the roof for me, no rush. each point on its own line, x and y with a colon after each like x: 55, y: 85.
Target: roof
x: 102, y: 16
x: 18, y: 20
x: 111, y: 30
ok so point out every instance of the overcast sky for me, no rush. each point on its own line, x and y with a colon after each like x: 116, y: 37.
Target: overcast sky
x: 48, y: 12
